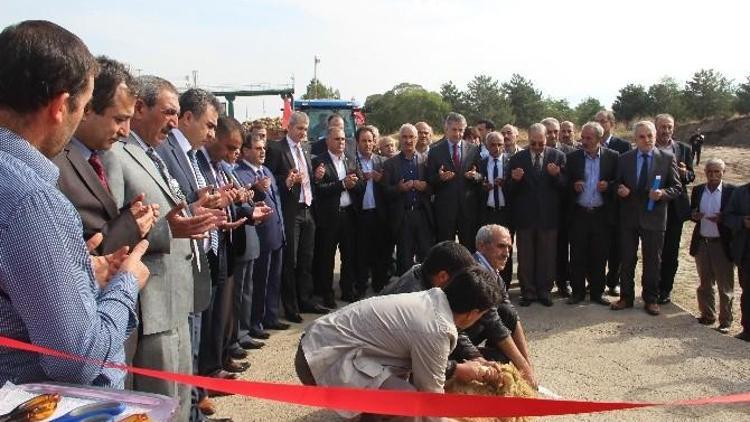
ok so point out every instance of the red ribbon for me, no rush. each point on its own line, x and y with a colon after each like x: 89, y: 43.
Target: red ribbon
x: 401, y: 403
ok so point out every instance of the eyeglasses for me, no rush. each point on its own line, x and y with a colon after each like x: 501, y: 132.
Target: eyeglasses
x: 36, y: 409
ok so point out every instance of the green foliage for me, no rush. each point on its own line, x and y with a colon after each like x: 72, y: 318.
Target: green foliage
x: 633, y: 101
x: 454, y: 97
x: 486, y: 101
x: 525, y: 101
x: 667, y: 97
x: 708, y: 94
x: 316, y: 90
x: 742, y: 102
x: 558, y: 108
x: 587, y: 109
x: 405, y: 103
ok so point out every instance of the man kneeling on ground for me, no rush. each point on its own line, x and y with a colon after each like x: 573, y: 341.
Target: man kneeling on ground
x: 386, y: 341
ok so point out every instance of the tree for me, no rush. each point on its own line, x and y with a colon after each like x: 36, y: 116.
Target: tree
x: 667, y: 97
x: 632, y: 101
x: 485, y: 100
x: 315, y: 89
x: 742, y: 102
x: 405, y: 103
x: 708, y: 94
x: 587, y: 109
x: 525, y: 100
x: 558, y: 108
x: 454, y: 98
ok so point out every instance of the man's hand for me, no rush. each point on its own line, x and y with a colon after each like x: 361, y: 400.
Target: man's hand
x: 746, y: 221
x: 468, y: 371
x: 262, y: 183
x: 472, y: 174
x: 445, y: 175
x: 320, y: 171
x: 696, y: 215
x: 553, y: 169
x: 655, y: 194
x: 528, y: 375
x: 376, y: 175
x: 404, y: 186
x: 105, y: 266
x: 261, y: 211
x: 623, y: 191
x: 516, y: 174
x: 499, y: 181
x: 682, y: 169
x: 293, y: 178
x: 228, y: 226
x: 419, y: 185
x: 209, y: 198
x: 189, y: 227
x: 578, y: 186
x: 350, y: 181
x: 602, y: 186
x: 145, y: 215
x: 134, y: 264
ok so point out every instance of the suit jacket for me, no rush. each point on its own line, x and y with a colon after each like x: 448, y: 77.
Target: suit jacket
x: 725, y: 233
x: 733, y: 217
x: 459, y: 193
x: 280, y: 161
x: 377, y: 188
x: 565, y: 148
x: 536, y: 197
x: 396, y: 201
x: 680, y: 207
x: 95, y: 205
x: 271, y: 230
x: 328, y: 190
x: 575, y: 169
x: 181, y: 170
x: 168, y: 297
x: 620, y: 145
x: 633, y: 213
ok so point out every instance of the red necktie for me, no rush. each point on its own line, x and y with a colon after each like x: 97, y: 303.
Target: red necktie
x: 96, y: 163
x: 456, y: 160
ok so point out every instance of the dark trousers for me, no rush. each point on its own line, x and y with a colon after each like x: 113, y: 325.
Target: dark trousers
x: 536, y: 261
x: 563, y: 270
x: 614, y: 256
x: 651, y: 244
x: 372, y: 253
x: 296, y: 279
x: 588, y: 251
x: 744, y: 278
x: 302, y: 367
x: 218, y: 321
x: 414, y: 239
x: 266, y: 286
x: 501, y: 217
x: 670, y: 253
x: 463, y: 225
x: 243, y: 297
x: 340, y: 231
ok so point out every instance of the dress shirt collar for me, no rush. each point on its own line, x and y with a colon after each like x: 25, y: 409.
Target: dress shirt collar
x: 606, y: 141
x: 335, y: 157
x: 83, y: 149
x: 718, y: 188
x: 20, y: 148
x: 252, y: 166
x: 595, y: 156
x: 292, y: 145
x: 362, y: 157
x: 140, y: 141
x: 486, y: 263
x: 182, y: 141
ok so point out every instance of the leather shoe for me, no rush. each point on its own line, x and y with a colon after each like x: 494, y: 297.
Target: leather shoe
x: 314, y: 309
x: 525, y: 302
x: 613, y: 291
x: 723, y: 328
x: 276, y: 326
x: 546, y: 301
x: 213, y: 393
x: 255, y: 333
x: 705, y: 321
x: 574, y: 300
x: 206, y: 406
x: 237, y: 352
x: 564, y: 292
x: 663, y: 300
x: 620, y: 305
x: 330, y: 303
x: 296, y: 318
x: 249, y: 343
x: 236, y: 367
x: 220, y: 420
x: 601, y: 300
x: 223, y: 375
x: 745, y: 335
x: 652, y: 309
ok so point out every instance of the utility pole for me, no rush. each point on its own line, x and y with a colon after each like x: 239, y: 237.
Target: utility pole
x: 195, y: 79
x: 315, y: 76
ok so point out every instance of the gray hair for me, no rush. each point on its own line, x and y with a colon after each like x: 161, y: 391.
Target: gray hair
x: 494, y: 134
x: 149, y: 88
x: 664, y: 116
x: 196, y: 101
x: 715, y: 162
x: 568, y: 123
x: 375, y: 132
x: 454, y: 117
x: 511, y: 127
x: 387, y: 138
x: 644, y: 123
x: 549, y: 121
x: 298, y: 117
x: 537, y: 128
x: 486, y: 233
x: 406, y: 126
x: 598, y: 129
x: 610, y: 116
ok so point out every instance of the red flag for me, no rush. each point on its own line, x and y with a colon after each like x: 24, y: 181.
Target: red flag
x: 287, y: 113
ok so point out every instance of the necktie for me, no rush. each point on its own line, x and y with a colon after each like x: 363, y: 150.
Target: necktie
x: 174, y: 187
x: 213, y: 235
x: 96, y: 163
x: 538, y: 163
x: 643, y: 176
x: 456, y: 159
x: 306, y: 189
x: 495, y: 190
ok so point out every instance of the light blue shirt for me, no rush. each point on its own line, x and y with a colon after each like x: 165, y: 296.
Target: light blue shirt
x: 48, y: 293
x: 368, y: 202
x: 83, y: 149
x: 591, y: 197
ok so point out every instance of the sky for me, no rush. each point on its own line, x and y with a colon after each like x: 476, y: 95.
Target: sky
x: 571, y: 50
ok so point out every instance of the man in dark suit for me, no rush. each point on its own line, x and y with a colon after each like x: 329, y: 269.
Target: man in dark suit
x: 678, y: 210
x: 534, y: 187
x: 607, y: 119
x: 494, y: 207
x: 337, y: 182
x: 453, y: 174
x: 591, y: 173
x: 408, y: 200
x: 567, y: 137
x: 264, y: 313
x: 291, y: 166
x: 373, y: 253
x: 710, y: 245
x: 643, y: 213
x: 737, y: 218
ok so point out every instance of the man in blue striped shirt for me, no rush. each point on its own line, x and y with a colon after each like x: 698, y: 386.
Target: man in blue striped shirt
x: 49, y: 294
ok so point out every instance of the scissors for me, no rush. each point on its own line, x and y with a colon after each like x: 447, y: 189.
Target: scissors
x: 94, y: 412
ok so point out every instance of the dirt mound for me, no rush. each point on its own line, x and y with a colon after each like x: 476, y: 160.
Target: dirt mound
x: 734, y: 131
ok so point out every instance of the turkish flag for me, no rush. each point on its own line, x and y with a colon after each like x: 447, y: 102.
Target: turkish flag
x: 287, y: 113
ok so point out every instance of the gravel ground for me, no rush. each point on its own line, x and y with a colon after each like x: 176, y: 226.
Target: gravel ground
x: 587, y: 352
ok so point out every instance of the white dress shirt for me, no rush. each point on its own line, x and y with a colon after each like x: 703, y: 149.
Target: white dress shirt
x: 340, y: 166
x: 490, y: 172
x: 710, y: 206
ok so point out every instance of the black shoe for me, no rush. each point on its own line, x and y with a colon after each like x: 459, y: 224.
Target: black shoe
x: 330, y: 303
x: 248, y: 344
x: 237, y: 352
x: 349, y: 297
x: 574, y: 300
x: 613, y: 291
x: 723, y: 328
x: 255, y: 333
x: 663, y: 300
x: 294, y: 318
x: 546, y: 301
x: 705, y: 321
x: 525, y: 302
x: 276, y: 326
x: 745, y: 335
x: 601, y: 300
x: 236, y: 367
x: 564, y: 292
x: 314, y: 309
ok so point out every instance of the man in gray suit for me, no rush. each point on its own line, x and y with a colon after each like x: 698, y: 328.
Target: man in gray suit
x: 643, y: 213
x: 164, y: 341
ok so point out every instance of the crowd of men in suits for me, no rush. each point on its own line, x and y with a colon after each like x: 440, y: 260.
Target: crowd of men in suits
x: 234, y: 231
